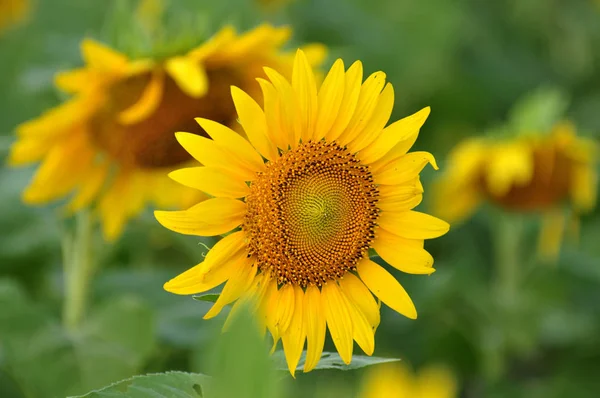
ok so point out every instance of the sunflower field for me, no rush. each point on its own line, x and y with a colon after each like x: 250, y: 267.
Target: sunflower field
x: 299, y: 198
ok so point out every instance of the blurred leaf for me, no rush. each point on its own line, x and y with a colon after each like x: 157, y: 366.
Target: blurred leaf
x: 332, y: 360
x: 112, y: 344
x: 240, y: 363
x: 538, y: 111
x: 160, y: 385
x: 210, y: 297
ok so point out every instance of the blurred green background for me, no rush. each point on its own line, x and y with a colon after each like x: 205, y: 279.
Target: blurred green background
x: 470, y: 60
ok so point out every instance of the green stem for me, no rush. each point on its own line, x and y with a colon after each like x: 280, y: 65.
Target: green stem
x: 78, y: 269
x: 508, y: 240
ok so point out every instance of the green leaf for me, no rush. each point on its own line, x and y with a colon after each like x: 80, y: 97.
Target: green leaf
x: 159, y: 385
x: 209, y: 297
x: 332, y: 360
x: 538, y: 111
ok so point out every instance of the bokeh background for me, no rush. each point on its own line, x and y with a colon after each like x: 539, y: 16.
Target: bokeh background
x: 470, y: 60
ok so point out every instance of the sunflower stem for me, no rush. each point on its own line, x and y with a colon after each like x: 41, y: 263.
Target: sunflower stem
x: 78, y: 268
x: 507, y: 251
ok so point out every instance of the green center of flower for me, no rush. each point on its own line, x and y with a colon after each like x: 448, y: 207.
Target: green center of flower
x: 312, y: 214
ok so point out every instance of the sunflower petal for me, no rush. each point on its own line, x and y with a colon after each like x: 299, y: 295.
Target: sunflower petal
x: 253, y: 120
x: 400, y: 254
x: 338, y: 320
x: 305, y: 88
x: 329, y: 99
x: 413, y: 224
x: 285, y: 308
x: 315, y: 327
x: 289, y: 107
x: 233, y: 142
x: 211, y: 180
x: 293, y: 339
x: 209, y: 153
x: 377, y: 121
x: 100, y: 56
x: 239, y: 282
x: 209, y: 218
x: 189, y: 75
x: 147, y: 103
x: 386, y: 287
x: 396, y: 139
x: 362, y: 332
x: 277, y: 131
x: 361, y: 297
x: 367, y: 102
x: 403, y: 169
x: 352, y: 88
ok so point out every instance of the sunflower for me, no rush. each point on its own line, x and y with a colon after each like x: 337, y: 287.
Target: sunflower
x: 112, y: 143
x: 12, y: 12
x: 397, y: 381
x: 319, y: 182
x: 529, y: 173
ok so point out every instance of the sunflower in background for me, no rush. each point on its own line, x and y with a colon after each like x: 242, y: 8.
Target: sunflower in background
x: 538, y: 173
x: 113, y: 142
x: 398, y: 381
x: 319, y: 182
x: 12, y: 12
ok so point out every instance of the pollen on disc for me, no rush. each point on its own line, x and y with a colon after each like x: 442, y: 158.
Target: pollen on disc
x: 311, y: 214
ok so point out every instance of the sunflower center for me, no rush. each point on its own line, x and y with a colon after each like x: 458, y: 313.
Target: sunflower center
x: 151, y: 143
x: 550, y: 183
x: 311, y: 214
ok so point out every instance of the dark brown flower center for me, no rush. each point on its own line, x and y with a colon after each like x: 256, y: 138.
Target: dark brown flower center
x: 311, y: 214
x: 151, y: 143
x: 550, y: 183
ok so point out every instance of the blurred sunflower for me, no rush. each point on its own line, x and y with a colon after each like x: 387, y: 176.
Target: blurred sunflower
x: 12, y: 11
x: 528, y: 173
x: 319, y: 182
x: 397, y: 381
x: 113, y: 141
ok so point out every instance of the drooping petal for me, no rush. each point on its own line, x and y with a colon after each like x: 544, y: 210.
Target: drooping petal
x: 338, y: 320
x: 253, y: 120
x: 386, y: 287
x: 214, y: 270
x: 361, y: 297
x: 413, y: 224
x: 396, y: 139
x: 362, y: 331
x: 315, y: 327
x: 211, y: 180
x: 189, y: 75
x: 294, y: 337
x: 240, y: 279
x: 99, y: 56
x: 285, y: 308
x: 209, y: 218
x: 148, y: 101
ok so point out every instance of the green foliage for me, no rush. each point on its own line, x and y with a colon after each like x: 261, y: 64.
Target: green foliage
x: 332, y: 360
x: 166, y: 385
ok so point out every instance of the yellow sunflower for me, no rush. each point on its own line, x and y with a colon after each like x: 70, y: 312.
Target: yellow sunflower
x: 318, y: 183
x: 12, y: 12
x: 113, y: 141
x: 397, y: 381
x: 528, y: 173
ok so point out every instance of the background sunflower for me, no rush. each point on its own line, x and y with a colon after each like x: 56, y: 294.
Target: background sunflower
x: 473, y: 62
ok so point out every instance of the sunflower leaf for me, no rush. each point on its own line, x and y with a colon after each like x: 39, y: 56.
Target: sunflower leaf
x: 332, y: 360
x: 210, y: 297
x: 170, y: 384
